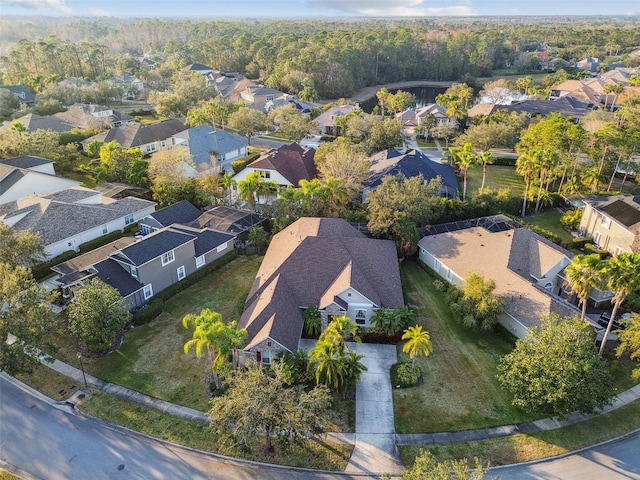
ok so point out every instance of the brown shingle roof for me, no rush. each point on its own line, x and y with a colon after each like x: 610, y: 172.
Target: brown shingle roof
x: 292, y: 161
x: 310, y: 262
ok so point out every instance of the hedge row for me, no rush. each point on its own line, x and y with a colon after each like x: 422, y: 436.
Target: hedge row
x: 43, y: 270
x: 156, y: 306
x: 100, y: 241
x: 240, y: 164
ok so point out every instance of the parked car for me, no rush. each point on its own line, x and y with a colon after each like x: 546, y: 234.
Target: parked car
x: 619, y: 323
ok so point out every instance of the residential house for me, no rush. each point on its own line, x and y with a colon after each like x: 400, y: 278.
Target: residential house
x: 411, y: 164
x: 231, y: 220
x: 590, y: 64
x: 590, y: 92
x: 182, y: 212
x: 33, y: 122
x: 327, y: 120
x: 68, y: 218
x: 148, y: 138
x: 285, y: 166
x: 417, y: 117
x: 211, y: 150
x: 118, y: 190
x: 132, y: 86
x: 257, y: 96
x: 198, y: 68
x: 613, y: 221
x: 82, y: 115
x: 141, y: 268
x: 23, y: 94
x: 567, y: 106
x: 285, y: 100
x: 524, y: 265
x: 317, y: 262
x: 25, y: 175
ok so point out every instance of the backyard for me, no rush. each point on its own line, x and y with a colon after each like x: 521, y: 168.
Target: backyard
x: 498, y: 176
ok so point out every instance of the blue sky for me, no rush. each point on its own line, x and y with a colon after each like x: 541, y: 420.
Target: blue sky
x: 315, y: 8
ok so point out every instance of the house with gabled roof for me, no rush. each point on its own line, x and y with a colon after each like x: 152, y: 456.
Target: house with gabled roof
x: 83, y: 115
x: 148, y: 138
x: 525, y: 266
x: 33, y: 122
x: 140, y: 268
x: 183, y: 212
x: 231, y: 220
x: 23, y: 94
x: 415, y: 117
x: 317, y: 262
x: 25, y: 175
x: 198, y: 68
x: 65, y: 219
x: 211, y: 150
x: 257, y: 96
x: 327, y: 120
x: 613, y: 221
x: 285, y: 165
x: 411, y: 164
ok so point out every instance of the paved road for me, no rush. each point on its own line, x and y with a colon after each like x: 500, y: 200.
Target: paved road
x: 53, y: 444
x: 616, y: 460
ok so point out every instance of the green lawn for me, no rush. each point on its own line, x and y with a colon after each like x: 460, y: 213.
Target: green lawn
x: 460, y: 390
x: 498, y: 176
x: 550, y: 220
x: 524, y: 448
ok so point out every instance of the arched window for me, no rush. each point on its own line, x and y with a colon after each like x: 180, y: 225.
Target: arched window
x: 361, y: 317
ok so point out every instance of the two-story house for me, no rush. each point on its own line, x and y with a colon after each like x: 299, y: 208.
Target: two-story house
x: 326, y: 121
x: 140, y: 268
x: 148, y: 138
x: 257, y: 96
x: 613, y: 221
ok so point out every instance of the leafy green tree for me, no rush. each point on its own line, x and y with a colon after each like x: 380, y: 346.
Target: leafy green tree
x: 383, y: 99
x: 392, y: 320
x: 97, y: 314
x: 385, y: 134
x: 621, y: 274
x: 344, y: 162
x: 418, y: 342
x: 630, y: 342
x: 572, y: 219
x: 292, y: 123
x: 258, y: 237
x: 20, y: 248
x: 401, y: 100
x: 556, y: 370
x: 26, y: 320
x: 427, y: 467
x: 248, y: 121
x: 9, y: 103
x: 295, y: 368
x: 584, y: 273
x: 210, y: 333
x: 257, y: 403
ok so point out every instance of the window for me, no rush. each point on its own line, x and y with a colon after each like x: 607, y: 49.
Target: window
x: 128, y: 220
x: 105, y: 230
x: 618, y: 250
x: 269, y: 97
x: 449, y: 275
x: 168, y: 257
x: 199, y: 261
x: 606, y: 222
x: 163, y: 144
x: 147, y: 292
x: 597, y: 237
x: 145, y: 229
x: 361, y: 317
x: 266, y: 357
x: 181, y: 273
x: 134, y: 271
x: 436, y: 265
x: 222, y: 248
x: 264, y: 173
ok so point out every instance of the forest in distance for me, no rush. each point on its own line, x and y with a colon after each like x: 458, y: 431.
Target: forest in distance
x: 338, y: 56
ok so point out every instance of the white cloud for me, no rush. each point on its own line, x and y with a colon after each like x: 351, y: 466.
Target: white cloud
x: 396, y: 8
x: 99, y: 12
x: 41, y: 4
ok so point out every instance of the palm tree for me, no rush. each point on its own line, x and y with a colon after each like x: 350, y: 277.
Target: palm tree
x: 485, y: 158
x: 212, y: 334
x: 335, y: 193
x: 249, y: 188
x: 326, y: 358
x: 584, y: 274
x: 227, y: 182
x: 526, y: 166
x: 418, y: 343
x: 383, y: 97
x: 623, y: 278
x: 465, y: 158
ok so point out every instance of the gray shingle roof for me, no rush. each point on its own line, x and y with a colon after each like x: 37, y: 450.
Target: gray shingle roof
x: 26, y: 161
x: 10, y: 179
x: 82, y: 115
x: 204, y: 139
x: 113, y: 274
x: 206, y: 239
x: 153, y: 245
x: 135, y: 134
x: 181, y: 212
x: 55, y: 217
x: 313, y: 260
x: 229, y: 220
x: 33, y: 122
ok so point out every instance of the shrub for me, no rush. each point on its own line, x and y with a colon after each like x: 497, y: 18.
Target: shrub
x: 149, y: 312
x: 43, y: 270
x: 591, y: 248
x: 571, y: 219
x: 579, y: 243
x: 241, y: 163
x: 440, y: 285
x: 100, y: 241
x: 404, y: 375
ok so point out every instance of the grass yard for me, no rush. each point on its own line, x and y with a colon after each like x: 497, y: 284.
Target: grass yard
x: 524, y: 448
x: 317, y: 455
x: 152, y: 361
x: 498, y: 176
x: 550, y: 220
x: 460, y: 390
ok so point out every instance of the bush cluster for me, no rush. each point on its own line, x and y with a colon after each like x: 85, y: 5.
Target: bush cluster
x: 403, y: 375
